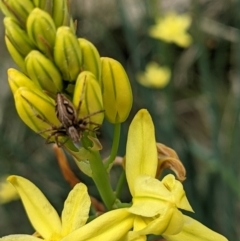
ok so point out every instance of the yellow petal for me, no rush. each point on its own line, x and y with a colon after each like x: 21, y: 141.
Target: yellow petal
x: 111, y: 226
x: 176, y: 188
x: 42, y: 215
x: 171, y: 222
x: 20, y: 237
x: 195, y: 231
x: 7, y: 192
x: 76, y: 209
x: 151, y: 197
x: 141, y: 153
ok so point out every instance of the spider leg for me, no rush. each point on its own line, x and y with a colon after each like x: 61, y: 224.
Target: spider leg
x: 93, y: 123
x: 60, y: 144
x: 83, y: 127
x: 91, y: 114
x: 46, y: 130
x: 56, y: 134
x: 48, y: 138
x: 82, y: 96
x: 36, y: 114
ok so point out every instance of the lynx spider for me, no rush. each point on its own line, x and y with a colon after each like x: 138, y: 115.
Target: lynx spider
x: 70, y: 126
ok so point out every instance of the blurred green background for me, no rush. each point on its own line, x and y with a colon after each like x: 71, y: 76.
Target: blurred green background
x: 197, y: 113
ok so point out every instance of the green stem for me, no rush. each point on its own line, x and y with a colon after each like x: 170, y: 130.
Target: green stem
x: 100, y: 177
x: 114, y: 150
x: 121, y: 181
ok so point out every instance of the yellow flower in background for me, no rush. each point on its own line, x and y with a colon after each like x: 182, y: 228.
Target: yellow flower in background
x: 7, y: 192
x: 172, y: 28
x: 155, y: 76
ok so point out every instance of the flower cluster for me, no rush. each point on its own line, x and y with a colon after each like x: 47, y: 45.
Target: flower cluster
x: 52, y: 60
x: 66, y: 89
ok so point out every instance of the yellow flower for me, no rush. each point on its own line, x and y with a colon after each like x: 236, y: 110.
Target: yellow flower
x: 7, y: 192
x: 72, y: 226
x: 172, y: 28
x: 156, y: 203
x: 155, y: 76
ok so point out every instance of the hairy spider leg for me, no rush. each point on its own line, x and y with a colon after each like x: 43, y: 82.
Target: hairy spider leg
x: 82, y: 96
x: 56, y: 131
x: 57, y: 134
x: 38, y: 115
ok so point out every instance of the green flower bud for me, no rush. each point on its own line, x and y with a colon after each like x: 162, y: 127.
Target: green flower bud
x: 41, y: 30
x: 67, y: 53
x: 88, y: 90
x: 17, y: 57
x: 116, y: 89
x: 39, y: 3
x: 31, y: 103
x: 17, y: 36
x: 60, y: 13
x: 19, y: 10
x: 43, y: 72
x: 90, y: 57
x: 17, y: 79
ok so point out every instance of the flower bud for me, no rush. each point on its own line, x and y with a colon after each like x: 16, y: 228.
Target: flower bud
x: 19, y: 10
x: 41, y: 30
x: 90, y: 57
x: 17, y: 57
x: 116, y: 90
x: 67, y: 53
x: 43, y: 72
x: 31, y: 103
x: 17, y: 79
x: 60, y: 13
x: 42, y: 4
x: 88, y: 91
x: 17, y: 36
